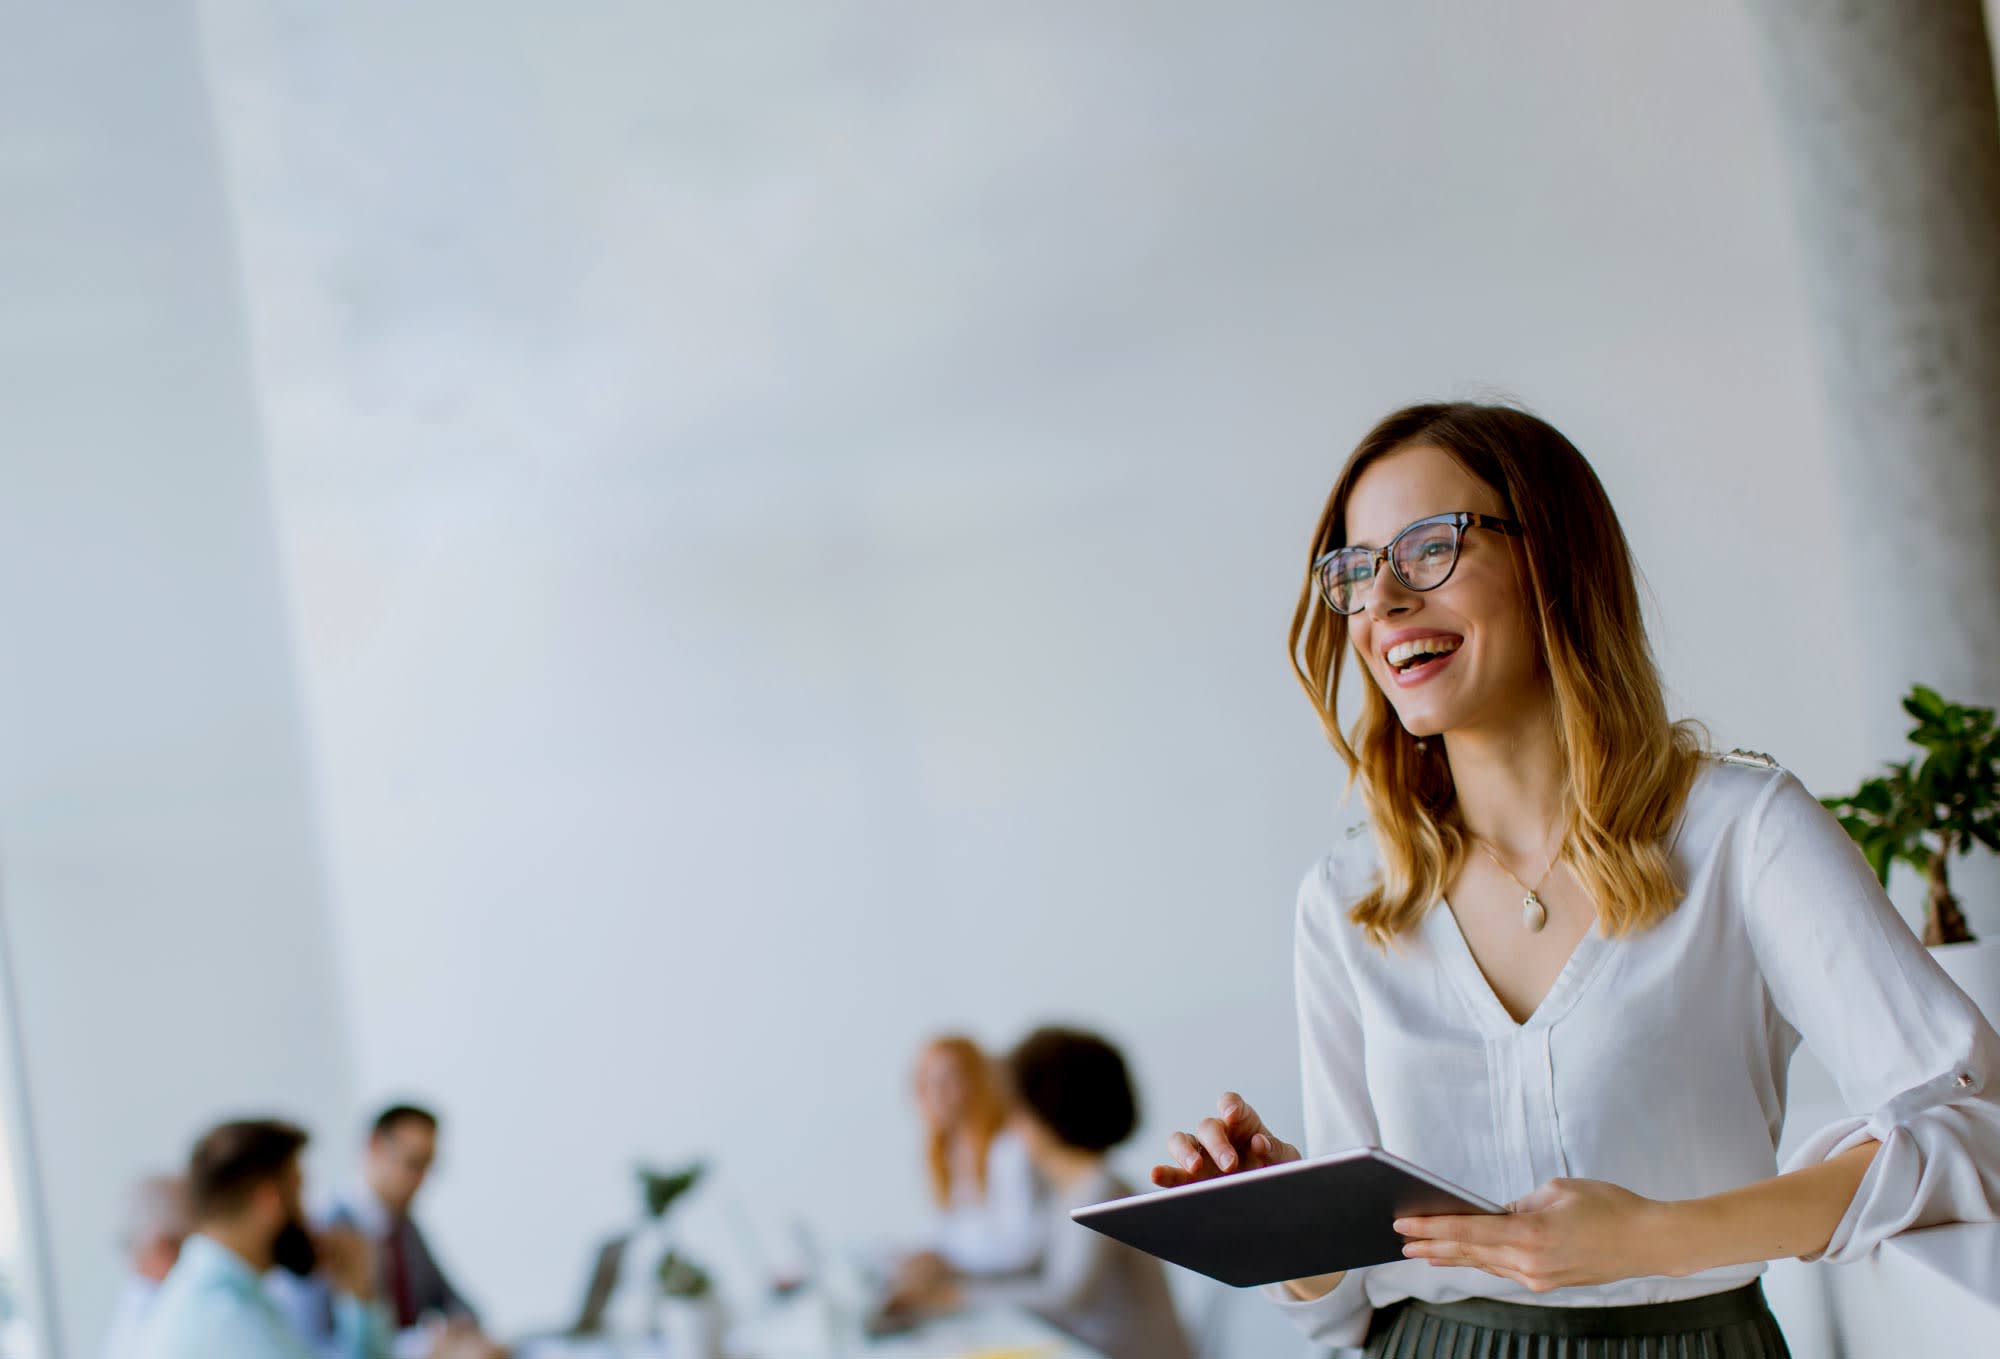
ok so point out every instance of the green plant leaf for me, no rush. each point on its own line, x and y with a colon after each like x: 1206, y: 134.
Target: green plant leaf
x: 659, y: 1189
x: 1948, y: 799
x: 680, y: 1277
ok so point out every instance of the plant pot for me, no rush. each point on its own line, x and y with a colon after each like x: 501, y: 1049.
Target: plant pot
x: 1975, y: 967
x: 631, y: 1309
x: 690, y: 1328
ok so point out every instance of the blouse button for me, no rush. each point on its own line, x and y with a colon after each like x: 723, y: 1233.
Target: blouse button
x: 1965, y: 1080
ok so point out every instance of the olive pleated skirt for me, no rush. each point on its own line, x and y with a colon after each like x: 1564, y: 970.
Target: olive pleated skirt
x: 1732, y: 1325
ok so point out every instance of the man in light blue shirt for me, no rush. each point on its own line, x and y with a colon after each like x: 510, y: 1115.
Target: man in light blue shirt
x: 246, y: 1190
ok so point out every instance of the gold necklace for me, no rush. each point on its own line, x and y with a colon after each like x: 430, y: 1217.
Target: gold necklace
x: 1534, y: 915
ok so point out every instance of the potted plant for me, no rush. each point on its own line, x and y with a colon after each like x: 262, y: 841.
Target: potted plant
x: 658, y: 1189
x: 656, y: 1276
x: 1944, y: 802
x: 690, y: 1316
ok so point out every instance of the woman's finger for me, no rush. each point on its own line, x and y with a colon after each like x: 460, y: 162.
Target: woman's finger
x: 1191, y: 1156
x: 1191, y: 1163
x: 1214, y: 1137
x: 1236, y: 1112
x: 1453, y: 1254
x: 1474, y: 1229
x: 1448, y: 1254
x: 1272, y: 1151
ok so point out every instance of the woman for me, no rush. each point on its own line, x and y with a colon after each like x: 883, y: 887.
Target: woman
x: 987, y: 1216
x: 1567, y: 958
x: 1074, y: 1102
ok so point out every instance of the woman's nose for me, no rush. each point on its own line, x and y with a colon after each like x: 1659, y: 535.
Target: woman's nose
x: 1388, y: 597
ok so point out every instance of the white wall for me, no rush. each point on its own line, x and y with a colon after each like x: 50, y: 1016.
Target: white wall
x: 794, y: 512
x: 157, y: 859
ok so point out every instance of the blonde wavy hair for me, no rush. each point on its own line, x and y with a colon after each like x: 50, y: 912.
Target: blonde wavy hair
x: 1627, y: 767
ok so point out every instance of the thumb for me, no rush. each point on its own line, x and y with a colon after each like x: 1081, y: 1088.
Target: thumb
x: 1536, y: 1200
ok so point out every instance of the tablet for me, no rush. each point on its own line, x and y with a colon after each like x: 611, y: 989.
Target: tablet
x: 1284, y: 1222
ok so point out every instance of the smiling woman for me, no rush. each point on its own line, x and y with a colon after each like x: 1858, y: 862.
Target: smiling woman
x: 1559, y: 548
x: 1591, y: 1018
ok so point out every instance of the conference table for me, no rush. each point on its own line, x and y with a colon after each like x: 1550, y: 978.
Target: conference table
x: 800, y: 1331
x: 991, y: 1334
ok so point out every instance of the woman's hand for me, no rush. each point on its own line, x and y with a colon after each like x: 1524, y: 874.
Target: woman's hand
x: 1237, y: 1140
x: 919, y: 1280
x: 1567, y: 1233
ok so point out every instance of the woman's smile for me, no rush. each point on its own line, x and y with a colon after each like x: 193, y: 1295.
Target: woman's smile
x: 1415, y: 655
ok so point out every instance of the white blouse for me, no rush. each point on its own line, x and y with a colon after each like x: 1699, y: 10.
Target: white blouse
x: 998, y: 1232
x: 1657, y: 1061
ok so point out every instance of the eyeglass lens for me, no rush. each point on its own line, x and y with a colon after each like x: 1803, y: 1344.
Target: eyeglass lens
x: 1422, y: 556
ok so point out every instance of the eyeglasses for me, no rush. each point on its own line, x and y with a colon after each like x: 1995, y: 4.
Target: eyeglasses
x: 1423, y: 557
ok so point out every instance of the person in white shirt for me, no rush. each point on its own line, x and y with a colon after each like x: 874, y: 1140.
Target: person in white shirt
x: 986, y: 1216
x: 1566, y: 958
x: 156, y: 1223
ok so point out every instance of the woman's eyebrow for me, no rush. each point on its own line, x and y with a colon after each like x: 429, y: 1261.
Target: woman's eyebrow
x: 1353, y: 542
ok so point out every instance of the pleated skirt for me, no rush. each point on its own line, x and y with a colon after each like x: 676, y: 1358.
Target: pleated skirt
x: 1734, y: 1325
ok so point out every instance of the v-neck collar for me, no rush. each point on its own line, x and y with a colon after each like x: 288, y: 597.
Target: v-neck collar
x: 1463, y: 968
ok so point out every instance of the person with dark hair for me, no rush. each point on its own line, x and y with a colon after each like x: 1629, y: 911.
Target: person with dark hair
x: 428, y: 1313
x: 245, y: 1191
x: 1073, y: 1102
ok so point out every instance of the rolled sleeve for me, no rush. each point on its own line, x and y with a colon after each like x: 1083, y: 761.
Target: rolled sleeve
x: 1913, y: 1056
x: 1338, y: 1318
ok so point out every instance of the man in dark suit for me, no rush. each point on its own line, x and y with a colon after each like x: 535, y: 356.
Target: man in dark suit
x: 430, y: 1315
x: 401, y: 1149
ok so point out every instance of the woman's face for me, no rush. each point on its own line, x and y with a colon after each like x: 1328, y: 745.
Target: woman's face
x: 943, y: 1093
x: 1493, y: 667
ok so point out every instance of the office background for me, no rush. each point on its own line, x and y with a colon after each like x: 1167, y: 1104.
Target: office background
x: 616, y: 569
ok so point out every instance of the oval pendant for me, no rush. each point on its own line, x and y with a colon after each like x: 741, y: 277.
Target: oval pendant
x: 1533, y: 914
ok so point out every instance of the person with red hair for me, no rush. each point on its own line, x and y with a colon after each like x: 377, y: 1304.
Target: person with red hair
x: 986, y: 1198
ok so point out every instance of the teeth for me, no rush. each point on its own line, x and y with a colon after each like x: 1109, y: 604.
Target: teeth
x: 1403, y: 653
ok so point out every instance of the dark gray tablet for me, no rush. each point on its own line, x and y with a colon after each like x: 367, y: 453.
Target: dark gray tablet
x: 1284, y: 1222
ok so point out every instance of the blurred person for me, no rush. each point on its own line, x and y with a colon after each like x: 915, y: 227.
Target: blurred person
x: 429, y: 1314
x: 986, y: 1217
x: 245, y: 1192
x: 157, y: 1221
x: 1074, y: 1102
x: 1568, y: 956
